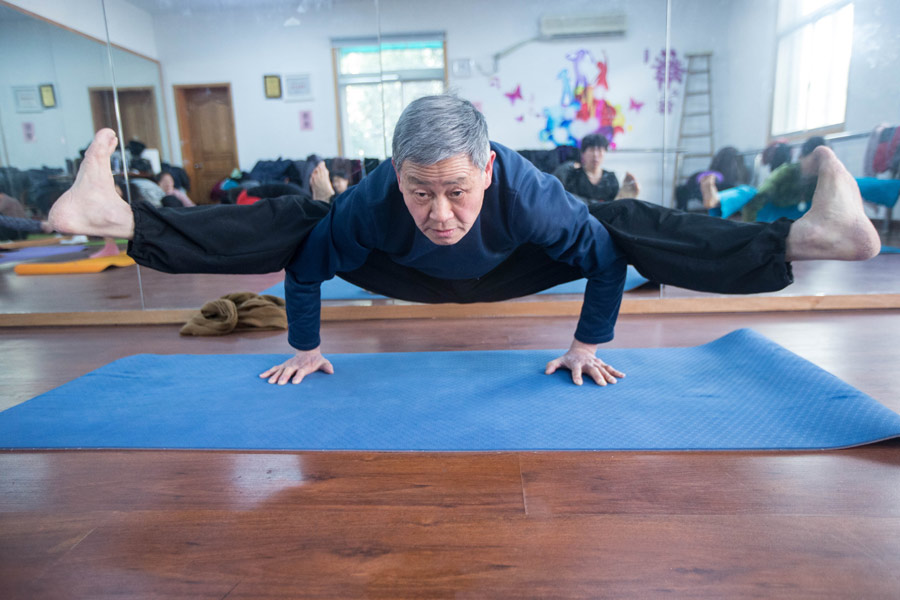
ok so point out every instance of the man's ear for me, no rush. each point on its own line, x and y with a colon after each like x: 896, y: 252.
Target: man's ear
x: 489, y: 170
x: 396, y: 170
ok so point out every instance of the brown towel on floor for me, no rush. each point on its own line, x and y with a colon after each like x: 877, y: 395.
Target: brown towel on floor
x: 259, y: 312
x: 239, y: 311
x: 216, y: 317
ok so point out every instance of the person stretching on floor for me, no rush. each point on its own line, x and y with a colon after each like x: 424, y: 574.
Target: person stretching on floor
x: 790, y: 184
x: 455, y: 218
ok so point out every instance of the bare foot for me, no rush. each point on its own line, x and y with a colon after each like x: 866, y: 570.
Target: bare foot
x: 709, y: 191
x: 92, y: 206
x: 836, y: 226
x: 109, y: 249
x: 629, y: 189
x: 320, y: 183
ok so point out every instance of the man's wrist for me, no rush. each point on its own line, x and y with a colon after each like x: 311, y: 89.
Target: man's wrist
x: 583, y: 347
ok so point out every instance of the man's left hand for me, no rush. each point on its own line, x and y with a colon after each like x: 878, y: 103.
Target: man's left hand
x: 581, y: 360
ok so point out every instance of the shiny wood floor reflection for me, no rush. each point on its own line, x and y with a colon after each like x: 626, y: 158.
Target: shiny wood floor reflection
x: 157, y: 524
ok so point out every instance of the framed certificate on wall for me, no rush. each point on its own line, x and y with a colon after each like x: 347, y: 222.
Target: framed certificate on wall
x: 272, y: 85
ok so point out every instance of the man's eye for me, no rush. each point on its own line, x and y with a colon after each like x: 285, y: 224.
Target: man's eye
x: 456, y: 194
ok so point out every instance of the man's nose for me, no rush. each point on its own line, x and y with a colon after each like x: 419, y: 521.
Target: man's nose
x: 441, y: 211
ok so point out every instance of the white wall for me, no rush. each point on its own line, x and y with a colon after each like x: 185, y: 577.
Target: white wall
x: 46, y: 54
x: 129, y: 27
x: 478, y: 30
x: 874, y: 84
x: 239, y: 47
x: 37, y: 52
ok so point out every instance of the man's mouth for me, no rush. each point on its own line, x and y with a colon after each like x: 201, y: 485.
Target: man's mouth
x: 443, y: 233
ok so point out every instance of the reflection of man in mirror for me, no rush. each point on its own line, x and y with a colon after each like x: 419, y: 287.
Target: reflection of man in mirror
x: 456, y: 218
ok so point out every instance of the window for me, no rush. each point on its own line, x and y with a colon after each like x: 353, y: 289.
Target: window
x: 375, y: 83
x: 815, y: 39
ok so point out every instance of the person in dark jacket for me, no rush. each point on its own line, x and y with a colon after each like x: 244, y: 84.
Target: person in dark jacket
x: 588, y: 180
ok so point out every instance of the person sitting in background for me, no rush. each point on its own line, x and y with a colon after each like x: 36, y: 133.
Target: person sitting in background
x: 789, y: 185
x: 174, y: 197
x: 589, y: 181
x: 340, y: 181
x: 729, y: 170
x: 14, y: 222
x: 776, y: 154
x: 319, y: 184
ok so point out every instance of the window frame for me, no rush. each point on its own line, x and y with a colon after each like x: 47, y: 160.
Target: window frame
x: 385, y: 76
x: 782, y: 32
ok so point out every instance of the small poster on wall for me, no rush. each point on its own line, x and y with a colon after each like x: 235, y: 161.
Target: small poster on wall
x: 272, y: 85
x: 48, y: 95
x: 28, y: 100
x: 298, y: 87
x: 306, y: 123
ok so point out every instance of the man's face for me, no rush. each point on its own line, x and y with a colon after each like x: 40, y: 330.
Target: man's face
x: 592, y: 157
x: 445, y: 198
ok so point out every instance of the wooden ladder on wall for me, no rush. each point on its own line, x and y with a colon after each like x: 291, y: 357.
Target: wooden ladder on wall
x: 695, y: 145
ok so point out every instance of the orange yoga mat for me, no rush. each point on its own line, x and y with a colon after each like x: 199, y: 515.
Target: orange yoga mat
x: 85, y: 265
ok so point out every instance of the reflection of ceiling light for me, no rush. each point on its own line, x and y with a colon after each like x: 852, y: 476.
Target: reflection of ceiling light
x: 305, y: 5
x: 292, y: 22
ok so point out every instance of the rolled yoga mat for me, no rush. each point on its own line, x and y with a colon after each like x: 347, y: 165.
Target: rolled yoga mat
x: 740, y: 392
x: 338, y: 289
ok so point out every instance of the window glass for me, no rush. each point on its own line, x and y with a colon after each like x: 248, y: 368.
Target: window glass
x: 376, y: 82
x: 812, y: 71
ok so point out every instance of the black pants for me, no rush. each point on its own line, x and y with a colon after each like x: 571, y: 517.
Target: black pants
x: 666, y: 246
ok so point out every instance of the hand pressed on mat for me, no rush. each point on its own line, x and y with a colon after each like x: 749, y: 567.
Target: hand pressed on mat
x: 581, y: 359
x: 298, y: 366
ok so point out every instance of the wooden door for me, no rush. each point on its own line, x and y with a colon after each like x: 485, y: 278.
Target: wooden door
x: 206, y: 131
x: 139, y: 114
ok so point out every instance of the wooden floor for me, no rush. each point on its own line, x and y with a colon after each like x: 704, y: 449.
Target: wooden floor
x: 184, y: 524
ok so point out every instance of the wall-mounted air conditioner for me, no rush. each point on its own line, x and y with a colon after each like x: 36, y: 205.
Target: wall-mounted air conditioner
x: 559, y: 26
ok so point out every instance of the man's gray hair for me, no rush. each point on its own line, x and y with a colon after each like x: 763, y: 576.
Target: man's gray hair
x: 435, y: 128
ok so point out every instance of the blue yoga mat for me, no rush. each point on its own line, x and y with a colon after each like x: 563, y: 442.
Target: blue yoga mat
x: 338, y: 289
x: 890, y: 250
x: 8, y: 256
x: 879, y: 191
x: 739, y: 392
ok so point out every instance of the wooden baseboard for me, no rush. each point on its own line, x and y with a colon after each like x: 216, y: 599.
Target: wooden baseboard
x: 536, y: 308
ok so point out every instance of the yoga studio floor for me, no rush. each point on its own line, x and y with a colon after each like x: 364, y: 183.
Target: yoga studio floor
x: 222, y: 524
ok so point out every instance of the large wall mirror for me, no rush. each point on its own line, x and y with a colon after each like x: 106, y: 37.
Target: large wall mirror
x: 786, y: 71
x: 229, y: 91
x: 56, y: 87
x: 341, y: 71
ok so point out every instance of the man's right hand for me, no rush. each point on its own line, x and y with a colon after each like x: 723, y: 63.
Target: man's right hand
x: 299, y: 366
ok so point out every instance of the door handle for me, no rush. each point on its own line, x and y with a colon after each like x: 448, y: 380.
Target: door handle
x: 198, y: 166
